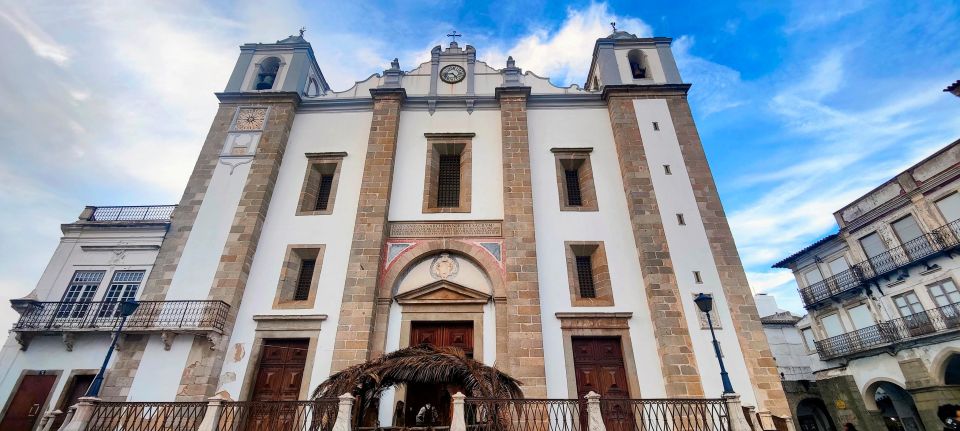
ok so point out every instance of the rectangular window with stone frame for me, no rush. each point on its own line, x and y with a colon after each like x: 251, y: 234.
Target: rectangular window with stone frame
x: 588, y: 274
x: 319, y: 190
x: 448, y: 174
x: 575, y: 179
x: 299, y: 276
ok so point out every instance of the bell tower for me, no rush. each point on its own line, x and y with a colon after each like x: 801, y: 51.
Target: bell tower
x: 288, y: 65
x: 622, y: 58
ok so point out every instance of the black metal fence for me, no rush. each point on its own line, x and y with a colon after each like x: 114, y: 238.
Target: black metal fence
x: 929, y: 322
x: 134, y: 416
x: 941, y: 239
x: 482, y: 414
x: 314, y: 415
x: 132, y: 213
x: 668, y: 414
x: 59, y: 316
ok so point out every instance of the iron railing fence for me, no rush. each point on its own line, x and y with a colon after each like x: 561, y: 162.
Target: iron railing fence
x: 312, y: 415
x: 487, y: 414
x: 143, y: 416
x: 667, y: 414
x: 105, y: 315
x: 929, y: 322
x: 132, y: 213
x: 941, y: 239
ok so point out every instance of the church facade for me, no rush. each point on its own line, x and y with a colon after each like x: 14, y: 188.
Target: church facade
x: 560, y: 234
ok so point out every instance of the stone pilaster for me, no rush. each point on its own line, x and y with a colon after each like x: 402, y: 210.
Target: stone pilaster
x: 358, y: 309
x: 525, y: 348
x: 119, y: 377
x: 678, y: 364
x: 202, y: 371
x: 761, y: 365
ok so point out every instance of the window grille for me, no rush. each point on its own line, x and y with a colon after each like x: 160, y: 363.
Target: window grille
x: 80, y: 291
x: 574, y: 197
x: 323, y: 195
x: 585, y: 277
x: 448, y: 181
x: 304, y: 279
x: 122, y: 288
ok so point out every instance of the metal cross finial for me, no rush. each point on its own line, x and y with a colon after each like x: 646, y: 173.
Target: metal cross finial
x: 302, y: 31
x: 453, y: 36
x: 614, y: 25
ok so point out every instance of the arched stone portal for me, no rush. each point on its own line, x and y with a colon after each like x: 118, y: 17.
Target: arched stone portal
x: 812, y: 415
x: 896, y: 406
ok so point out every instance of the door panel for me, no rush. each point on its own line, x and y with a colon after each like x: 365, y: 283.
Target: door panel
x: 598, y: 367
x: 438, y: 396
x: 78, y: 388
x: 280, y: 373
x: 27, y: 403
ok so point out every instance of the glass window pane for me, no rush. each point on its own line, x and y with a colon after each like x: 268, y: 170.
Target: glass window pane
x: 831, y: 325
x: 838, y: 265
x: 873, y: 245
x: 907, y: 229
x: 861, y: 317
x: 950, y: 207
x: 813, y: 276
x: 808, y: 338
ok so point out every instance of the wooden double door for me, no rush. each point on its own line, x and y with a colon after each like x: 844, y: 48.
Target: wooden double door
x: 436, y: 396
x: 27, y: 403
x: 279, y: 378
x: 598, y: 365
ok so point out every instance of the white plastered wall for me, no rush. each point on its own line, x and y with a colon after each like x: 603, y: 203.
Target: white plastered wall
x: 310, y: 133
x: 406, y: 201
x: 549, y: 128
x: 690, y: 250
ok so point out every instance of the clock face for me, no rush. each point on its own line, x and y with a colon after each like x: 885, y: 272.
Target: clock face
x: 251, y: 118
x: 452, y: 74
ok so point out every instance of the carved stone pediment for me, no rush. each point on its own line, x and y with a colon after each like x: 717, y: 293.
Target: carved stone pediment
x: 443, y: 291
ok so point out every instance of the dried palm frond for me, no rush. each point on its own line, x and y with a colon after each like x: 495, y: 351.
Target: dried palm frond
x: 420, y: 364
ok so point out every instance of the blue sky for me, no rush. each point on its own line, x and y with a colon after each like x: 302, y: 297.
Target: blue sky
x: 801, y: 106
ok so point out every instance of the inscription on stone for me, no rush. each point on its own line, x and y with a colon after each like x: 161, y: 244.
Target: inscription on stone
x: 446, y: 229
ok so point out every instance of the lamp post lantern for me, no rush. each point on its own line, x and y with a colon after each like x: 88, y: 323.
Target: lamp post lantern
x: 126, y: 309
x: 705, y: 304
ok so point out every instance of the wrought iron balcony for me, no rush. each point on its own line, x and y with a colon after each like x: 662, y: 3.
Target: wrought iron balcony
x: 942, y: 239
x: 152, y: 316
x: 892, y: 334
x: 131, y: 213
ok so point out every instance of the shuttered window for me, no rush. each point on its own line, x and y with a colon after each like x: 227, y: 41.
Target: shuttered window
x: 574, y: 198
x: 448, y: 181
x: 304, y: 278
x: 323, y: 194
x: 585, y: 277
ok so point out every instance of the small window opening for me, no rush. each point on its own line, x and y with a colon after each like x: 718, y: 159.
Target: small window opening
x: 574, y: 197
x: 656, y: 126
x: 666, y: 170
x: 585, y: 277
x: 302, y: 292
x: 697, y: 278
x: 680, y: 220
x: 323, y: 194
x: 267, y: 73
x: 638, y: 64
x: 448, y: 184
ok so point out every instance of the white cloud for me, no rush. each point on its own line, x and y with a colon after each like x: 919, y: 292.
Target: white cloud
x: 561, y: 54
x: 39, y: 41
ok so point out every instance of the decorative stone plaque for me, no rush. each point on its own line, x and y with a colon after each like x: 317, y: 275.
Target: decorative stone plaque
x: 446, y: 229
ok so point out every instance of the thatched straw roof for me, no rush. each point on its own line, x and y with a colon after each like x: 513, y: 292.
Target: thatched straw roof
x: 420, y: 364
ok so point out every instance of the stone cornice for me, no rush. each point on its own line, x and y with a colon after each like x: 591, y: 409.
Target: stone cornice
x: 635, y: 90
x: 501, y: 92
x: 389, y: 93
x: 261, y: 97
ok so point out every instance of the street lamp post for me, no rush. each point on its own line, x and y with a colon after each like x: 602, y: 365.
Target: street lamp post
x: 126, y: 309
x: 705, y: 304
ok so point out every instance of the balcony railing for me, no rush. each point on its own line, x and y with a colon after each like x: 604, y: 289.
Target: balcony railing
x: 105, y: 315
x: 890, y: 333
x: 132, y: 213
x: 941, y: 239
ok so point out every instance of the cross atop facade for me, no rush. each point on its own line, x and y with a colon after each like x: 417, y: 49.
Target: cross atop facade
x: 302, y: 31
x: 614, y: 25
x: 453, y: 36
